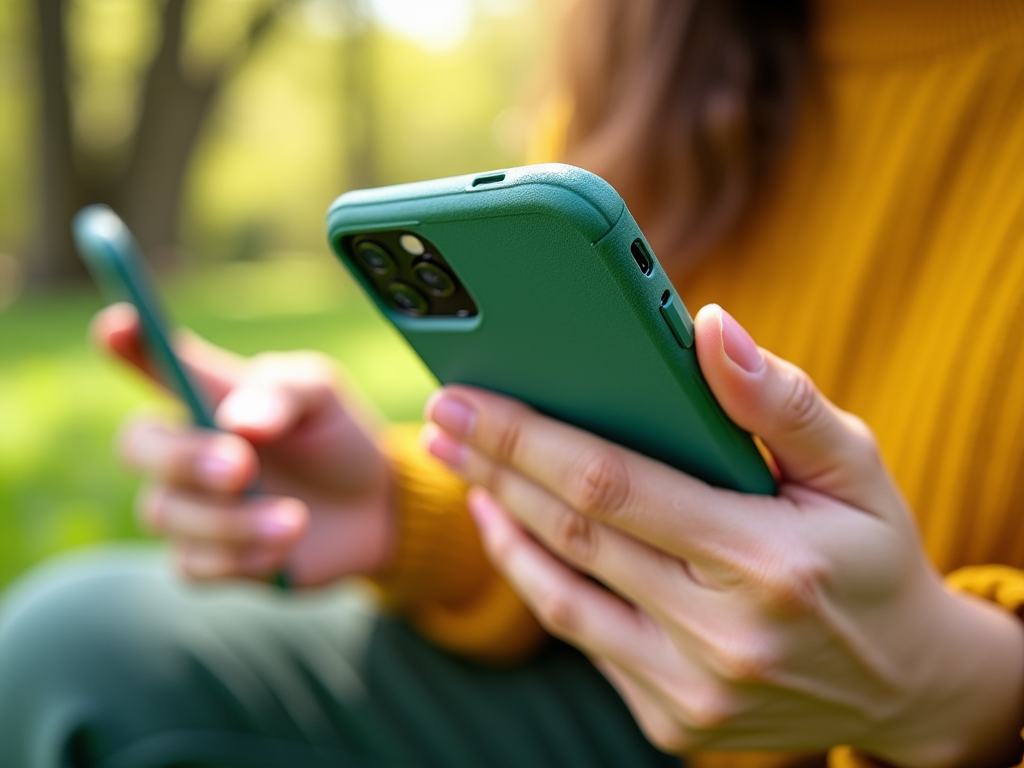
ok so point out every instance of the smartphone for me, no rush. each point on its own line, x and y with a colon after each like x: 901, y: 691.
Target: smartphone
x: 536, y: 283
x: 114, y: 260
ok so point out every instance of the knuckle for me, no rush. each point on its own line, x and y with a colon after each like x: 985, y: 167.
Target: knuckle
x: 708, y: 708
x: 794, y: 586
x: 510, y: 436
x: 182, y: 457
x: 495, y: 478
x: 747, y: 660
x: 558, y: 613
x: 667, y: 735
x: 221, y: 462
x: 576, y: 537
x: 156, y: 449
x: 177, y: 458
x: 801, y: 408
x: 602, y: 485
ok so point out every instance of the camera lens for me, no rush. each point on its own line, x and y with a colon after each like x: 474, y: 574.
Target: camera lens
x: 375, y: 257
x: 407, y: 298
x: 438, y: 282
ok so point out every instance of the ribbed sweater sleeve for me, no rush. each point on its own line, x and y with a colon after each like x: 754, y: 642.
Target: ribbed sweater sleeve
x: 439, y: 577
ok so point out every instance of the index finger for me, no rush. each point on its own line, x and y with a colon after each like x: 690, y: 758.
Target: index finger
x: 647, y: 499
x: 116, y: 329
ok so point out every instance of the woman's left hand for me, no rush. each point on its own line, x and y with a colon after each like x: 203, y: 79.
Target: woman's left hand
x: 731, y: 621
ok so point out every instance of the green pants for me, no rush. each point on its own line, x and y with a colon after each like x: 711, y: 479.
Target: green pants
x: 106, y: 659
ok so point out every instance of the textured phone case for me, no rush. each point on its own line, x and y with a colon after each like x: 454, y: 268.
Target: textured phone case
x: 567, y: 320
x: 115, y: 262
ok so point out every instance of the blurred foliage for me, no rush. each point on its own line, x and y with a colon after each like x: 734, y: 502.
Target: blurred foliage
x: 449, y: 98
x: 275, y: 150
x: 16, y: 106
x: 434, y: 114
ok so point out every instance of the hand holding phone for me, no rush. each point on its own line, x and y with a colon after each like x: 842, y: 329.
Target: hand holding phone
x: 323, y: 503
x: 536, y: 283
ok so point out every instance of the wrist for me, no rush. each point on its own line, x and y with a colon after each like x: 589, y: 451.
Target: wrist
x: 970, y: 708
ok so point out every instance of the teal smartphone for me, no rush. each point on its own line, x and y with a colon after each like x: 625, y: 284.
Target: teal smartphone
x: 115, y: 262
x: 535, y: 282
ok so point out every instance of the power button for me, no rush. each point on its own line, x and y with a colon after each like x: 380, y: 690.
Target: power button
x: 678, y: 319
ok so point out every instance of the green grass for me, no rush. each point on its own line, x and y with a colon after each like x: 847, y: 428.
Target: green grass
x: 61, y: 401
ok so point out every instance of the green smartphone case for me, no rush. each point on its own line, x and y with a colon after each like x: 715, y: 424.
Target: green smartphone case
x: 115, y: 262
x: 568, y: 320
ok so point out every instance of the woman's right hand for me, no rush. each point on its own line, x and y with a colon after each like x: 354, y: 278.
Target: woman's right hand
x: 323, y: 506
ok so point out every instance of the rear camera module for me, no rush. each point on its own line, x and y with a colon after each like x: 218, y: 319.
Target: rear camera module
x: 438, y: 282
x: 375, y: 257
x: 407, y: 298
x: 406, y: 273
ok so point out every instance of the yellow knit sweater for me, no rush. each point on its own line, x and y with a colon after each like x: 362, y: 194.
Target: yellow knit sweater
x: 887, y: 260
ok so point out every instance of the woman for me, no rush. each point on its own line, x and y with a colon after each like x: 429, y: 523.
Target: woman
x: 843, y: 175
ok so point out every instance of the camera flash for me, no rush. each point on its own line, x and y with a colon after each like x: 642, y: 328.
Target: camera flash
x: 412, y: 244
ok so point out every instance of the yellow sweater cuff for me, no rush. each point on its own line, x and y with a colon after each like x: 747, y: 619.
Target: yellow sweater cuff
x: 440, y: 577
x: 999, y: 584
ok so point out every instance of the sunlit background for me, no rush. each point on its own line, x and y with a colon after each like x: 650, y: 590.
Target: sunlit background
x: 289, y: 103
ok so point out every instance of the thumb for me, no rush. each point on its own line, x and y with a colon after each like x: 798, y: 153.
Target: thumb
x: 216, y: 371
x: 281, y: 391
x: 816, y: 444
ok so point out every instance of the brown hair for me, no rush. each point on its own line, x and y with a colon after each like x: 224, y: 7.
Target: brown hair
x: 684, y: 106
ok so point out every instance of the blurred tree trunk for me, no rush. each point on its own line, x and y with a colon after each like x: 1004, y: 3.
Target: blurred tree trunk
x: 173, y: 110
x: 62, y: 189
x: 360, y: 104
x: 147, y: 192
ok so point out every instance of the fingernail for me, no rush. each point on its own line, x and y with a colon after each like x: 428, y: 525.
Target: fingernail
x: 739, y: 346
x: 453, y: 415
x: 216, y: 469
x: 443, y: 446
x: 252, y: 408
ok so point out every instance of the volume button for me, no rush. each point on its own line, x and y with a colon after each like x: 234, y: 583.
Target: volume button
x: 677, y: 318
